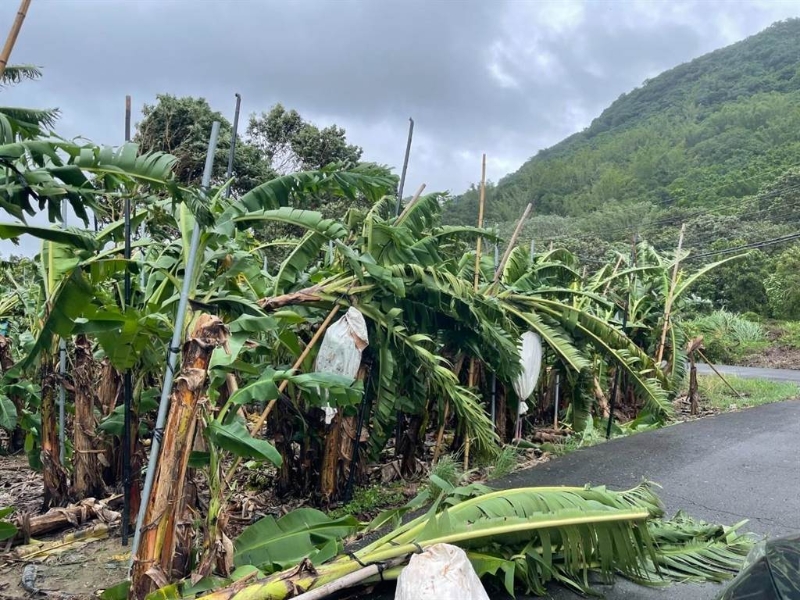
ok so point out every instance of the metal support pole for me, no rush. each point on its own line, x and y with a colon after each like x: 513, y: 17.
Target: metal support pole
x: 174, y: 348
x: 62, y: 369
x: 233, y: 143
x: 494, y: 375
x: 405, y: 167
x: 127, y: 385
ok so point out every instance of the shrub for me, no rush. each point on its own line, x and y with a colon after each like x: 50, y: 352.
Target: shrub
x: 726, y: 335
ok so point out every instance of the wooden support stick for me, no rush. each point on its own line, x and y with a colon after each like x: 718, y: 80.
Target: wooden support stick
x: 413, y: 201
x: 713, y: 368
x: 476, y: 281
x: 613, y: 273
x: 12, y: 35
x: 511, y: 242
x: 670, y: 296
x: 282, y: 387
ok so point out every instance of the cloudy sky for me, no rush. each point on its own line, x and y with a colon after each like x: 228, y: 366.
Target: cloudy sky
x: 505, y: 77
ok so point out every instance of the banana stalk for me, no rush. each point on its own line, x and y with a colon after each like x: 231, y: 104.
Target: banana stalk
x: 159, y: 530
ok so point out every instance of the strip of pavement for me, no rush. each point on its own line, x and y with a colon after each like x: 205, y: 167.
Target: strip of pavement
x: 751, y: 372
x: 723, y: 469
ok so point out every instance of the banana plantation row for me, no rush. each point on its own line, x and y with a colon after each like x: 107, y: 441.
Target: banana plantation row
x: 439, y: 354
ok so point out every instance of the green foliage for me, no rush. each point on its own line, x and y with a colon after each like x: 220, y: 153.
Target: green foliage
x: 274, y: 544
x: 783, y: 285
x: 505, y: 462
x: 291, y: 144
x: 368, y: 500
x: 727, y: 336
x: 181, y: 127
x: 7, y: 530
x: 446, y: 474
x: 712, y: 143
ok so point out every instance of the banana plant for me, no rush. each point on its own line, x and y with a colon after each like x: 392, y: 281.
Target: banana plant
x: 522, y: 539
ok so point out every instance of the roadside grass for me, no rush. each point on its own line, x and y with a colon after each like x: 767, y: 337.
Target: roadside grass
x: 715, y: 394
x: 366, y: 500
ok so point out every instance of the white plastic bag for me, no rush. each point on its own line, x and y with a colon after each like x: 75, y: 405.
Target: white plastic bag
x: 441, y: 572
x: 341, y: 348
x: 530, y: 357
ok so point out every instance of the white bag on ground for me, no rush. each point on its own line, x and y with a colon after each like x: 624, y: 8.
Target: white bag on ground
x: 530, y: 357
x: 441, y: 572
x: 341, y: 348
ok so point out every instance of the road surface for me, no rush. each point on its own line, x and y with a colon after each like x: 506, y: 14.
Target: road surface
x: 726, y: 468
x: 752, y: 372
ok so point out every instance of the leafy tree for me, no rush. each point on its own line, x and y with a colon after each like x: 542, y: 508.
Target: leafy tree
x: 291, y: 144
x: 783, y: 285
x: 180, y: 127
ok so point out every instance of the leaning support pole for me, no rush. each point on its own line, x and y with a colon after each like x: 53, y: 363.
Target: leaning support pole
x: 405, y: 167
x: 511, y: 243
x: 720, y: 375
x: 475, y: 282
x: 12, y: 35
x: 670, y: 297
x: 127, y: 385
x: 174, y: 348
x: 233, y: 143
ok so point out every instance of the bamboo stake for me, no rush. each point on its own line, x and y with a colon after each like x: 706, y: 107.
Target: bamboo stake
x: 11, y: 40
x: 670, y: 295
x: 440, y: 435
x: 413, y: 201
x: 713, y: 368
x: 282, y: 387
x: 481, y: 205
x: 511, y: 242
x: 476, y: 280
x: 613, y: 273
x: 348, y: 581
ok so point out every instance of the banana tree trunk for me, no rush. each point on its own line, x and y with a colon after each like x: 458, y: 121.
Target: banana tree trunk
x: 329, y: 471
x: 88, y: 478
x: 502, y: 413
x: 153, y: 562
x: 109, y: 391
x: 53, y: 472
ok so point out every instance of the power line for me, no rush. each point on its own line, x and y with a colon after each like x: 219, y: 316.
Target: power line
x: 751, y: 246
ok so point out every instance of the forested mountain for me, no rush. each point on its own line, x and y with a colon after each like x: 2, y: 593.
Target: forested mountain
x: 714, y: 143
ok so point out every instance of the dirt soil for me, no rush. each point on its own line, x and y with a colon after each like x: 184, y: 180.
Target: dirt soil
x: 78, y: 570
x: 774, y: 357
x: 778, y: 355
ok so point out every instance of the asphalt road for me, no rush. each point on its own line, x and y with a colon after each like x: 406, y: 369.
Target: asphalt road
x: 752, y: 372
x: 735, y: 466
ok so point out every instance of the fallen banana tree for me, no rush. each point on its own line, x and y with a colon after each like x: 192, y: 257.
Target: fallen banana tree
x: 524, y: 538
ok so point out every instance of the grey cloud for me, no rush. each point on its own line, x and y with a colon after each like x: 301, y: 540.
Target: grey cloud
x: 368, y: 65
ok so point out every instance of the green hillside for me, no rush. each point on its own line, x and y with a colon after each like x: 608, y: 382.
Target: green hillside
x: 714, y: 143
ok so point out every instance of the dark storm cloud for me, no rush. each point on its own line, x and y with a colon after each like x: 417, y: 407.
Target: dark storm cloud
x: 503, y: 77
